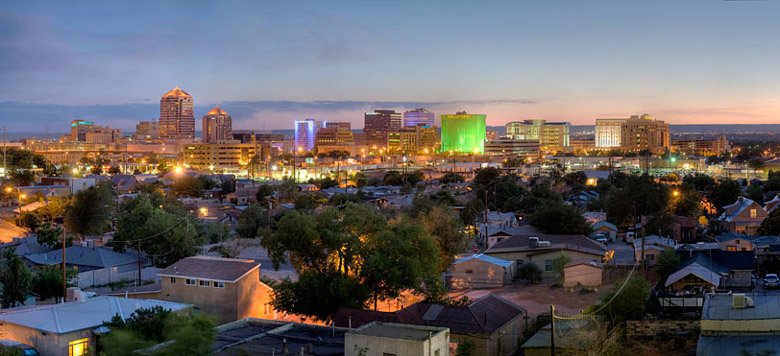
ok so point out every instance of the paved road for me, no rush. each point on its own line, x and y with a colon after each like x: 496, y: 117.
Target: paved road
x: 624, y: 253
x: 9, y: 230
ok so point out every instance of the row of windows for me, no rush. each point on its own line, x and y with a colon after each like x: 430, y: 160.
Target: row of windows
x: 201, y: 282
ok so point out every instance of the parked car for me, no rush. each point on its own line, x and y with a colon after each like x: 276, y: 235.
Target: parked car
x: 771, y: 281
x: 16, y: 348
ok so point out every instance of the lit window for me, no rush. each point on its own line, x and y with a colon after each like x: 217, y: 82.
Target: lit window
x: 79, y: 347
x: 752, y: 213
x: 731, y: 248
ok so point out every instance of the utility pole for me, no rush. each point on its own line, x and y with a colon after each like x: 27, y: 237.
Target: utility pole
x: 5, y: 166
x: 64, y: 270
x: 138, y: 254
x: 552, y: 330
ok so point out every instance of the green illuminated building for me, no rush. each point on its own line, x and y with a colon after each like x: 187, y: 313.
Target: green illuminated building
x: 463, y: 133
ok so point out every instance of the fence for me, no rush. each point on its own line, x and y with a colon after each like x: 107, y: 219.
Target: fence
x: 101, y: 277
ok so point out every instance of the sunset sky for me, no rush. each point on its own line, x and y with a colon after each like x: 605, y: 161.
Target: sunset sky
x: 268, y: 62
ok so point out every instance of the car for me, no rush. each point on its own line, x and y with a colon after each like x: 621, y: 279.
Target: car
x: 16, y: 348
x: 771, y: 281
x: 602, y: 239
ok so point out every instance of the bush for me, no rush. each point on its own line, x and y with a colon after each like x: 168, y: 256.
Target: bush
x: 531, y: 272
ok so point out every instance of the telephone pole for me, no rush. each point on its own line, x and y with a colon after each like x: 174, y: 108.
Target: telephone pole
x: 552, y: 330
x: 64, y: 270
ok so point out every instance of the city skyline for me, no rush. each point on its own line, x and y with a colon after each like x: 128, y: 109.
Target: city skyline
x: 710, y: 62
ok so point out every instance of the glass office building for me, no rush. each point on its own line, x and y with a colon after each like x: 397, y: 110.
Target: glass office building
x: 463, y: 133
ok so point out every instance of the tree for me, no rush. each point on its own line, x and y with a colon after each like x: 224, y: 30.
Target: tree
x: 771, y: 225
x: 228, y: 186
x: 451, y: 177
x: 30, y: 220
x: 309, y: 201
x: 16, y: 279
x: 755, y: 193
x: 250, y: 220
x: 187, y: 186
x: 264, y: 192
x: 685, y: 203
x: 625, y: 302
x: 319, y: 294
x: 192, y: 336
x: 726, y: 193
x: 447, y: 230
x: 662, y: 224
x: 90, y: 213
x: 560, y: 219
x: 49, y: 234
x: 558, y: 263
x: 47, y: 282
x: 212, y: 232
x: 668, y: 263
x: 114, y: 170
x: 530, y: 272
x: 635, y: 196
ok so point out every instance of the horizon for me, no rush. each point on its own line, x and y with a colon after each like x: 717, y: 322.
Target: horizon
x: 270, y: 63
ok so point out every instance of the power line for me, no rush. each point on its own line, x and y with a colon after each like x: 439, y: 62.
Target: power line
x: 600, y: 308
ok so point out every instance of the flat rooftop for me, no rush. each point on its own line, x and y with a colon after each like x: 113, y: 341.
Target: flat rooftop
x: 718, y: 307
x: 397, y: 331
x: 268, y: 337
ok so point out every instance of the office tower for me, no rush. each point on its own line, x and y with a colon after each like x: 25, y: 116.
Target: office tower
x: 217, y: 126
x: 333, y: 136
x: 463, y: 133
x: 78, y: 129
x: 99, y: 134
x: 552, y: 136
x: 147, y: 130
x: 305, y: 134
x: 413, y: 140
x: 636, y: 133
x: 608, y: 132
x: 177, y: 119
x: 419, y: 117
x: 378, y: 124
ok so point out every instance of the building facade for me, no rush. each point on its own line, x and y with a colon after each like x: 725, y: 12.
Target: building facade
x: 463, y: 133
x: 413, y: 140
x: 378, y: 124
x: 305, y: 134
x: 702, y: 147
x: 223, y: 155
x: 78, y: 129
x: 217, y: 126
x: 636, y: 133
x: 147, y: 131
x: 551, y: 136
x: 512, y: 147
x: 419, y: 117
x: 177, y: 118
x: 334, y: 134
x: 608, y: 132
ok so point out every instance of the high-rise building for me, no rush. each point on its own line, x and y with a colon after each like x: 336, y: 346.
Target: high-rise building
x: 463, y: 133
x: 636, y: 133
x: 413, y: 140
x: 608, y: 132
x: 419, y: 117
x: 99, y: 134
x: 306, y: 133
x: 147, y: 130
x: 217, y: 126
x: 378, y: 124
x: 177, y: 119
x: 552, y: 136
x: 78, y: 129
x: 334, y: 134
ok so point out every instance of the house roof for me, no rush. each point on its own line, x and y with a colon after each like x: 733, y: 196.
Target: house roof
x: 208, y: 267
x: 699, y: 268
x: 605, y: 224
x: 736, y: 344
x: 557, y: 242
x: 397, y: 331
x: 484, y: 258
x: 718, y: 307
x: 95, y: 257
x: 733, y: 210
x: 771, y: 205
x: 74, y: 316
x: 482, y: 316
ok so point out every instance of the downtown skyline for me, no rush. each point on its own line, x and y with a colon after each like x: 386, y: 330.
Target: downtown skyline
x: 270, y: 63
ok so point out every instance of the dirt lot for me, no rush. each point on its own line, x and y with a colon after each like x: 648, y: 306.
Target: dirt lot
x: 536, y: 298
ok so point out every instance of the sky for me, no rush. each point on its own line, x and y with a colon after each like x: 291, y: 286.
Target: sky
x: 270, y: 62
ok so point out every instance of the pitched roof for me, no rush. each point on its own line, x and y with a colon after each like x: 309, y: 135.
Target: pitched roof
x: 95, y: 257
x: 176, y: 93
x: 570, y: 242
x: 207, y: 267
x: 74, y: 316
x: 733, y: 210
x: 484, y: 258
x: 700, y: 268
x: 606, y: 224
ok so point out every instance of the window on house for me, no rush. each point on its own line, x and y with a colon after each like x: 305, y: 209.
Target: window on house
x: 469, y: 271
x: 189, y: 282
x: 173, y: 279
x: 267, y: 308
x: 79, y: 347
x: 219, y: 284
x: 731, y: 248
x: 752, y: 213
x: 737, y: 241
x: 548, y: 265
x: 204, y: 283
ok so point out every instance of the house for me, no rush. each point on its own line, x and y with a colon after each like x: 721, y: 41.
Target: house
x: 771, y: 205
x: 124, y: 183
x: 95, y: 265
x: 593, y: 217
x: 567, y: 338
x: 607, y: 228
x: 735, y: 242
x: 713, y: 269
x: 650, y: 247
x: 497, y: 233
x: 227, y: 288
x: 70, y: 328
x: 377, y: 338
x: 583, y: 273
x: 685, y: 228
x: 543, y: 249
x: 582, y: 199
x: 480, y: 271
x: 739, y: 324
x: 491, y: 324
x: 262, y: 337
x: 743, y: 217
x: 696, y: 275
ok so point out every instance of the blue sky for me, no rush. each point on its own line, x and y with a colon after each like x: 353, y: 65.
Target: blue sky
x: 268, y: 62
